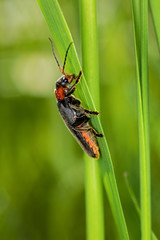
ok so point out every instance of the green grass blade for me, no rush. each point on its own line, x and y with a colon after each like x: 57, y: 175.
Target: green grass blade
x: 135, y: 202
x: 94, y: 201
x: 131, y: 193
x: 90, y: 47
x: 155, y: 8
x: 136, y: 22
x: 93, y: 186
x: 62, y: 38
x: 145, y: 163
x: 141, y: 53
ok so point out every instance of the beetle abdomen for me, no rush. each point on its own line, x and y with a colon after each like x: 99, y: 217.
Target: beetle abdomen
x: 90, y: 142
x: 85, y: 138
x: 87, y: 141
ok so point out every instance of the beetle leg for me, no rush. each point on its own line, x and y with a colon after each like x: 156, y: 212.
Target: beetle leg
x: 72, y: 76
x: 91, y: 112
x: 77, y: 78
x: 96, y: 133
x: 70, y: 91
x: 79, y: 121
x: 83, y: 129
x: 74, y: 101
x: 72, y: 88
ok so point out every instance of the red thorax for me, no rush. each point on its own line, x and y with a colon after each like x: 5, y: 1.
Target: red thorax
x: 60, y: 94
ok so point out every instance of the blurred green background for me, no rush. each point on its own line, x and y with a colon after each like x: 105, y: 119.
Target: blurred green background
x: 41, y: 166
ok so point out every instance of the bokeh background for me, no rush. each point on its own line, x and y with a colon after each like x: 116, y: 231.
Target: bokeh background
x: 41, y: 166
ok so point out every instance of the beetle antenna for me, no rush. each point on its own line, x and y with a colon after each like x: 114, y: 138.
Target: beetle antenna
x: 66, y: 57
x: 55, y: 55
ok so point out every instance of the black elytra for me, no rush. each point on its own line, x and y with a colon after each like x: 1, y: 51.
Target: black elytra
x: 74, y: 115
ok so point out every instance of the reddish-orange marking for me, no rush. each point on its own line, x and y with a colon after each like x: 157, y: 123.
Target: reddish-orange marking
x: 60, y: 93
x: 91, y: 143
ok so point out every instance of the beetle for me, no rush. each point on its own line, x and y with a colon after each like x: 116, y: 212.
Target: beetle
x: 74, y: 115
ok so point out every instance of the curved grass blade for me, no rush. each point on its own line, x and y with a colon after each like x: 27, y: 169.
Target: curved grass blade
x: 135, y: 202
x: 155, y: 8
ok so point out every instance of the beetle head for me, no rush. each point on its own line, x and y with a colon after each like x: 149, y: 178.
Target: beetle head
x: 65, y: 80
x: 62, y: 81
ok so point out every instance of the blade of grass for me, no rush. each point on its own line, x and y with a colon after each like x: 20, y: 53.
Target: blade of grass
x: 135, y: 202
x: 94, y: 198
x: 62, y: 37
x: 155, y: 7
x: 141, y: 53
x: 94, y: 201
x: 145, y: 163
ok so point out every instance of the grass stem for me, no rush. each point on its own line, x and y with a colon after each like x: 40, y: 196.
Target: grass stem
x: 94, y: 196
x: 140, y: 25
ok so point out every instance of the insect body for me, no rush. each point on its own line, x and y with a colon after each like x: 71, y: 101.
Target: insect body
x: 74, y: 115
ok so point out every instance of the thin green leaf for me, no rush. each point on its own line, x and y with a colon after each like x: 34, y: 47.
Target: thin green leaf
x: 155, y: 8
x: 135, y: 202
x: 62, y: 38
x: 145, y: 161
x: 141, y: 53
